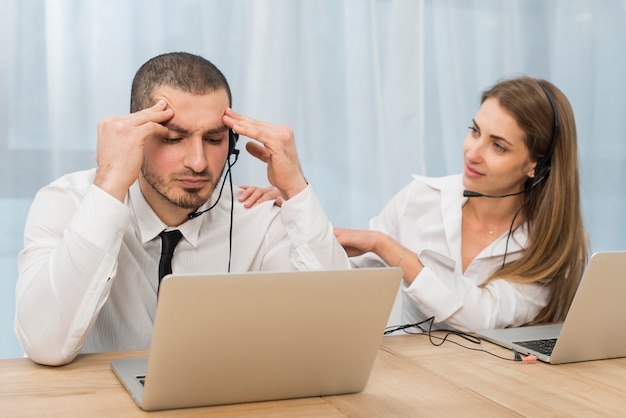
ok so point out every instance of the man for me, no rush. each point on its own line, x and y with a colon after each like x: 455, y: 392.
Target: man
x: 89, y: 271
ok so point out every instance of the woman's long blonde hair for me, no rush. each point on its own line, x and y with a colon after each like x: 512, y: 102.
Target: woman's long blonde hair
x: 556, y: 254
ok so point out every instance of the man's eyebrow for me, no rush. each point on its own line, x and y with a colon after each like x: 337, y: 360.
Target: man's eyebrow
x: 176, y: 128
x: 173, y: 127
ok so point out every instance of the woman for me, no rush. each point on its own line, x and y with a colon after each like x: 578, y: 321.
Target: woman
x: 502, y: 244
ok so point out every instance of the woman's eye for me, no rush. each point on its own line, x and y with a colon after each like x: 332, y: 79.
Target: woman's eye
x: 498, y: 147
x: 473, y: 130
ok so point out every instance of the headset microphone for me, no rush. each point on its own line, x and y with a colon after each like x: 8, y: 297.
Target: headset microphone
x: 469, y: 193
x: 194, y: 215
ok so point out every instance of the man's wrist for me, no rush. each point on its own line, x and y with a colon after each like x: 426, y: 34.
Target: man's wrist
x: 294, y: 191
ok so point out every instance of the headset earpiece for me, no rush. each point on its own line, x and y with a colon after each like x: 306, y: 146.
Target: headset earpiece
x: 232, y: 142
x: 542, y: 169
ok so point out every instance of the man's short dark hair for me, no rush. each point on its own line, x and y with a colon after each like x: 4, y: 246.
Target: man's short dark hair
x: 179, y: 70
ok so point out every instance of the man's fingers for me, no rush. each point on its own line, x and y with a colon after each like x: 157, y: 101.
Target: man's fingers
x: 253, y: 130
x: 121, y: 126
x: 258, y: 151
x: 249, y: 127
x: 277, y: 149
x: 236, y: 117
x: 157, y: 113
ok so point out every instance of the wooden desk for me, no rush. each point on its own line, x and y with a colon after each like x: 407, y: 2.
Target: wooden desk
x: 410, y: 378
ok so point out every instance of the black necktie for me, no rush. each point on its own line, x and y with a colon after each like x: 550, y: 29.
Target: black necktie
x: 169, y: 239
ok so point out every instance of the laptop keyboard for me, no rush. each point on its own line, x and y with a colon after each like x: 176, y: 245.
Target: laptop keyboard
x: 541, y: 346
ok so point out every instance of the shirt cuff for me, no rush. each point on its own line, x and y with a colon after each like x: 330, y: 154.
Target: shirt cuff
x: 101, y: 219
x: 303, y: 217
x: 430, y: 294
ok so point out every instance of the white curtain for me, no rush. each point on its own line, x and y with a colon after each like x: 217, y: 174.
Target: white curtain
x: 376, y: 90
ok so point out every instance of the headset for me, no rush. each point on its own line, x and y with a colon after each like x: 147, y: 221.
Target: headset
x: 233, y: 137
x: 542, y: 169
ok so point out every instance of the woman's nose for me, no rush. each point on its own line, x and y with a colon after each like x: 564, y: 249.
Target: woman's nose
x: 473, y: 149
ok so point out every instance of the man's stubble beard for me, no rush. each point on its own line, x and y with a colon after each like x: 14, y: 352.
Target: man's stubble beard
x: 191, y: 199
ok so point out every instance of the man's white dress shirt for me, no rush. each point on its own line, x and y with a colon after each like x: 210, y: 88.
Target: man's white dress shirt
x: 88, y: 273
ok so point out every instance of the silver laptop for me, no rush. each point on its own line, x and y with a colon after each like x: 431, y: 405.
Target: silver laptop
x: 594, y: 326
x: 234, y: 338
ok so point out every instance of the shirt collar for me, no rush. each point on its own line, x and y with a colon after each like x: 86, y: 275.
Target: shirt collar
x: 149, y: 224
x: 452, y: 200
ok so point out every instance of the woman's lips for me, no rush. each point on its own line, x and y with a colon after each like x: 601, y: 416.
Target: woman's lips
x: 469, y: 172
